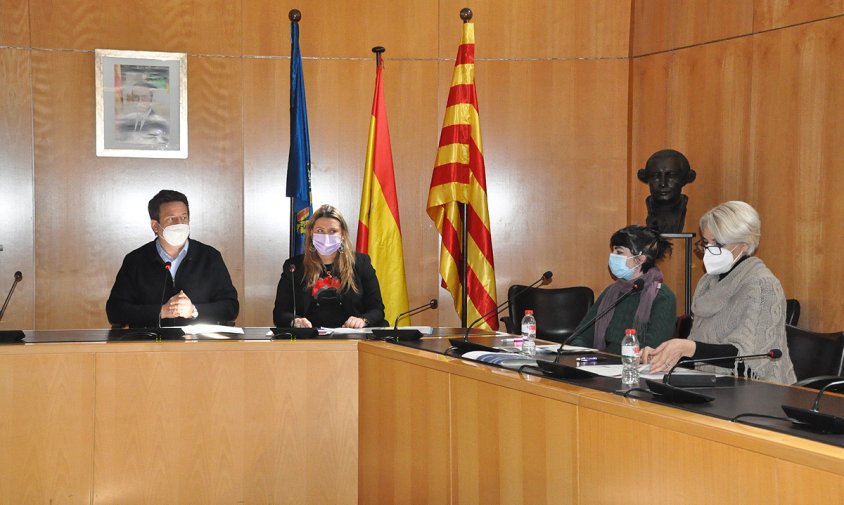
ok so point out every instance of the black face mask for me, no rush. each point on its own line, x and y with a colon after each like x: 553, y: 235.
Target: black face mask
x: 328, y: 297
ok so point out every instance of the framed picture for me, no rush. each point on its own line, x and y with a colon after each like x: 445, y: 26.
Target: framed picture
x: 142, y: 104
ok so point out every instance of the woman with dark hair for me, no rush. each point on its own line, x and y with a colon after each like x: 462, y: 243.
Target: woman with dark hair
x: 331, y: 285
x: 652, y: 311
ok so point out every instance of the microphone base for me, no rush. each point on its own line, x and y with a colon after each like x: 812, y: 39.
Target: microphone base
x: 825, y: 423
x: 396, y: 335
x: 671, y: 394
x: 558, y: 371
x: 294, y: 333
x: 690, y: 380
x: 9, y: 336
x: 464, y: 346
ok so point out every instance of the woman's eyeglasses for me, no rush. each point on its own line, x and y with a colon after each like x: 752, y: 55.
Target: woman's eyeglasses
x: 714, y: 249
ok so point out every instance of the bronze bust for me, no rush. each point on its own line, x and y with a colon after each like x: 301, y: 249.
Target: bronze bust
x: 666, y: 172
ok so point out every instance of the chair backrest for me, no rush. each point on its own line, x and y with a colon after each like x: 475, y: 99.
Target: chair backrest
x: 814, y: 353
x: 792, y: 311
x: 557, y: 311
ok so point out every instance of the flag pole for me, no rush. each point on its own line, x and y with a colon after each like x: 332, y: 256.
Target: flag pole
x: 378, y: 50
x: 466, y: 16
x: 294, y: 16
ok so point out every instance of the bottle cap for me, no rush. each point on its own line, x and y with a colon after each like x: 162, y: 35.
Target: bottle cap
x: 529, y: 312
x: 629, y: 331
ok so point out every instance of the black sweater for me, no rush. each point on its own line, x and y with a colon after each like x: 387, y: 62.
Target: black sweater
x: 136, y: 297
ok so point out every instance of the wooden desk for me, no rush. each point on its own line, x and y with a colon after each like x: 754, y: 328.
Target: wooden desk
x: 442, y: 430
x: 258, y: 422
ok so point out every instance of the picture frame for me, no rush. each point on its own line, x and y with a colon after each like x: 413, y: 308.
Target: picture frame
x: 141, y: 104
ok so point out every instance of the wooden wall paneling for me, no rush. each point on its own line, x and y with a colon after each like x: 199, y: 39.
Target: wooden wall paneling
x: 46, y: 428
x: 674, y: 460
x: 539, y: 29
x: 404, y: 433
x: 800, y: 485
x: 340, y: 28
x: 16, y: 205
x: 798, y: 175
x: 696, y: 101
x: 504, y: 442
x: 662, y: 25
x: 83, y: 231
x: 207, y: 27
x: 14, y: 23
x: 210, y: 437
x: 551, y: 131
x: 770, y: 14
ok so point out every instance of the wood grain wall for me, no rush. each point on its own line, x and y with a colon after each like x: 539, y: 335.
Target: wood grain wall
x: 573, y: 94
x: 753, y: 97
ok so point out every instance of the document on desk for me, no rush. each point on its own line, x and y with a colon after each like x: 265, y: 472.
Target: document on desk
x: 193, y: 329
x: 567, y: 349
x: 510, y: 360
x: 644, y: 371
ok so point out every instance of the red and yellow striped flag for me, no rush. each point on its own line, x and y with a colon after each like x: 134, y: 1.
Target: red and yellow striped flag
x: 459, y: 178
x: 379, y: 228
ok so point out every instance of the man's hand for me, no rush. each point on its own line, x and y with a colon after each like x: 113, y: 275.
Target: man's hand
x: 177, y: 306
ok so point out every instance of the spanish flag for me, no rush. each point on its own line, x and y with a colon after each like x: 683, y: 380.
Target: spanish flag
x: 459, y: 179
x: 379, y: 229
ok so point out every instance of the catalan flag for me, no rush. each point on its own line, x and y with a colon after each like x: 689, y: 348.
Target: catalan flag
x: 379, y: 229
x: 459, y: 179
x: 299, y: 157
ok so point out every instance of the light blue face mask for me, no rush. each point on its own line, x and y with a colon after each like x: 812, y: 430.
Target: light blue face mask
x: 619, y: 268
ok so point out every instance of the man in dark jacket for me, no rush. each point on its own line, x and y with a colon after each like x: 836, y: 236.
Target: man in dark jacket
x: 172, y: 281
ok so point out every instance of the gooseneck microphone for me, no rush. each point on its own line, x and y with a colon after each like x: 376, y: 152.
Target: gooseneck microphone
x: 464, y: 345
x: 699, y: 380
x: 814, y: 418
x: 11, y: 335
x: 432, y: 304
x: 167, y: 266
x: 18, y: 278
x: 292, y: 269
x: 638, y: 284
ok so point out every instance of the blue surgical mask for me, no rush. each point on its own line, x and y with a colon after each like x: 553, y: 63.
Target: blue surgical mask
x: 619, y: 268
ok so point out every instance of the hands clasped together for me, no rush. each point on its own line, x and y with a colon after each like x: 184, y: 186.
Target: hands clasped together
x: 351, y: 322
x: 179, y: 305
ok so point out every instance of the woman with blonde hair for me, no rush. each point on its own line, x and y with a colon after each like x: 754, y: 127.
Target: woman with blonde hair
x: 739, y: 305
x: 331, y: 285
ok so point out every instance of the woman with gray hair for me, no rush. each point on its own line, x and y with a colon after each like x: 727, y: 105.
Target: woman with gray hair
x: 738, y: 307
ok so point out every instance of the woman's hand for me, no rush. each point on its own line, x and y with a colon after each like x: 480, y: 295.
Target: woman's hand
x: 354, y: 322
x: 667, y: 354
x: 301, y: 322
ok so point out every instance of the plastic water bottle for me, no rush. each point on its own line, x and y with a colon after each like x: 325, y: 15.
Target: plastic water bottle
x: 529, y: 333
x: 630, y: 358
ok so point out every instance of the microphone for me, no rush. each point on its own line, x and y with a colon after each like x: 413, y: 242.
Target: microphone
x: 702, y: 380
x: 395, y: 335
x: 464, y: 345
x: 825, y: 423
x: 673, y: 393
x: 167, y: 266
x: 11, y: 335
x: 638, y: 284
x: 292, y: 269
x: 560, y: 371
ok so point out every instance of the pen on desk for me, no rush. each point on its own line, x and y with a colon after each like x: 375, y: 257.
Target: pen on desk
x: 590, y: 359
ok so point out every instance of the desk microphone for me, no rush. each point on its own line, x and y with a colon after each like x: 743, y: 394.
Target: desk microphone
x: 167, y: 266
x: 291, y: 268
x: 11, y: 335
x: 826, y: 423
x: 672, y: 393
x: 394, y: 334
x: 433, y: 304
x: 465, y: 346
x: 703, y: 380
x: 638, y: 284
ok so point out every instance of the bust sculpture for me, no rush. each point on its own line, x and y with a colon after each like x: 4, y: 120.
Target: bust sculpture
x: 666, y: 172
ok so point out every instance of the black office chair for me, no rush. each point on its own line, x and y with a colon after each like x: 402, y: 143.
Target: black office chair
x: 815, y: 354
x: 683, y: 326
x: 557, y: 311
x: 792, y: 311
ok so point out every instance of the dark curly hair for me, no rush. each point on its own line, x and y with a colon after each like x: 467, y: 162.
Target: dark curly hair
x: 642, y: 240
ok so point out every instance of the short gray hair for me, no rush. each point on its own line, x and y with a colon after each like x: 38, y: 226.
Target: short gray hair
x: 733, y: 222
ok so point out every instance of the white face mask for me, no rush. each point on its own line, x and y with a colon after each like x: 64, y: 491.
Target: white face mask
x: 717, y: 264
x: 176, y: 234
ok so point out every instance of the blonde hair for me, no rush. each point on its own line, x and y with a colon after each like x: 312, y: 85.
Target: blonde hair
x: 734, y: 222
x: 344, y: 262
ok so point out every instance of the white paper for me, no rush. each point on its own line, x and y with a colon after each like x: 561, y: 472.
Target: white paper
x: 193, y: 329
x: 566, y: 348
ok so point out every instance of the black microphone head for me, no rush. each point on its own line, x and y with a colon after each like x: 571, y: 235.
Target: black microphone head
x: 638, y: 284
x: 18, y: 276
x: 433, y: 303
x: 167, y: 265
x: 548, y: 275
x: 775, y: 354
x: 291, y: 268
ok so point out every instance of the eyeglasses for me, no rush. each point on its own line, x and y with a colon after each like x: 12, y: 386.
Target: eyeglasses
x: 714, y: 249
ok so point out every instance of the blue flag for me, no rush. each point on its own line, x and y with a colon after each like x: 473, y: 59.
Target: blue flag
x: 299, y: 159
